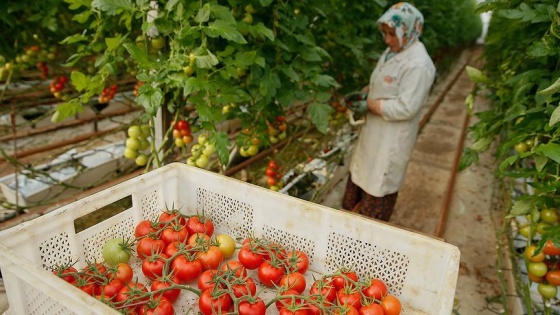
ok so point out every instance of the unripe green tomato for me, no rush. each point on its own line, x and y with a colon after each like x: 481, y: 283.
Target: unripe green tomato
x: 145, y: 131
x: 248, y: 18
x: 134, y: 131
x: 209, y: 149
x: 273, y: 139
x: 537, y: 269
x: 195, y: 149
x: 549, y: 216
x: 132, y: 143
x: 141, y: 160
x: 202, y: 161
x: 530, y: 143
x: 527, y: 231
x: 202, y: 139
x: 547, y: 291
x: 282, y: 135
x: 188, y: 70
x: 520, y: 147
x: 179, y: 142
x: 253, y: 150
x: 114, y: 251
x: 191, y: 161
x: 144, y: 144
x: 542, y: 226
x: 130, y: 154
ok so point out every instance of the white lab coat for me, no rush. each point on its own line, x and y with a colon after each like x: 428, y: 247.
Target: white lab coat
x: 385, y: 142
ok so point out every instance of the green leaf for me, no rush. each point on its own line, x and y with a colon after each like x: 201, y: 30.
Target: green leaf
x: 222, y: 147
x: 223, y: 13
x: 540, y: 162
x: 192, y: 85
x: 205, y: 58
x: 112, y: 42
x: 550, y: 150
x: 522, y: 207
x: 476, y: 75
x: 508, y: 162
x: 324, y: 80
x: 262, y: 31
x: 224, y: 30
x: 203, y: 14
x: 555, y: 117
x: 150, y: 98
x: 266, y: 3
x: 468, y: 158
x: 319, y: 113
x: 310, y: 55
x: 482, y: 144
x: 75, y: 39
x: 139, y: 55
x: 323, y: 97
x: 553, y: 88
x: 291, y: 73
x: 112, y: 6
x: 65, y: 110
x: 79, y: 80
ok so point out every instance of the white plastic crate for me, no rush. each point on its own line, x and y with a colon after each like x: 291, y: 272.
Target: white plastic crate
x: 420, y: 270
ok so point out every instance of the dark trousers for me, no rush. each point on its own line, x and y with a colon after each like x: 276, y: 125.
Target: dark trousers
x: 357, y: 200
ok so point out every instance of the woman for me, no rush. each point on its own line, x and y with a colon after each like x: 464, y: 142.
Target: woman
x: 398, y: 89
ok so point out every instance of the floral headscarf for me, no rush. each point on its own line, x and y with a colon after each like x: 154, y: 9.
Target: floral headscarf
x: 407, y: 21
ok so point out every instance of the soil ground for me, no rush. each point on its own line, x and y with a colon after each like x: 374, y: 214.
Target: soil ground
x: 474, y: 212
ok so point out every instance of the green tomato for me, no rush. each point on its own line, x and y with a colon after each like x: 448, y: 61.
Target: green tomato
x: 116, y: 251
x: 134, y: 131
x: 547, y: 291
x: 527, y: 231
x: 132, y: 143
x: 158, y: 43
x: 141, y: 160
x: 226, y: 244
x: 542, y: 226
x: 537, y: 269
x: 549, y: 216
x: 145, y: 131
x: 130, y: 154
x: 521, y: 147
x: 202, y: 161
x: 191, y: 161
x: 144, y: 144
x: 209, y: 149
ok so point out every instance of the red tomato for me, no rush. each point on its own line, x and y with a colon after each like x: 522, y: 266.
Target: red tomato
x: 346, y: 310
x: 182, y: 125
x: 111, y: 289
x: 294, y: 280
x: 291, y: 298
x: 349, y: 296
x: 550, y: 249
x: 297, y: 260
x: 371, y: 309
x: 186, y: 268
x: 96, y: 269
x: 199, y: 224
x: 160, y: 287
x: 171, y: 216
x: 255, y: 307
x: 131, y: 293
x: 345, y: 278
x: 214, y: 302
x: 198, y: 240
x: 375, y: 289
x: 244, y: 287
x: 205, y: 281
x: 391, y: 305
x: 234, y: 267
x: 249, y: 258
x: 148, y: 246
x: 294, y: 311
x: 270, y: 275
x: 211, y: 258
x: 324, y: 288
x: 174, y: 233
x: 123, y: 272
x: 160, y: 306
x: 152, y: 267
x: 144, y: 228
x: 270, y: 172
x: 88, y: 287
x: 68, y: 274
x: 173, y: 248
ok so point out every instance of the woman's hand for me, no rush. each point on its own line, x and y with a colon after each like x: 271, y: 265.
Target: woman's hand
x: 374, y: 106
x: 366, y: 89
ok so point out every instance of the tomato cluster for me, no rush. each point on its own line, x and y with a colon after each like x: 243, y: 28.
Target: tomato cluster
x: 57, y: 85
x: 136, y: 142
x: 277, y: 129
x: 177, y: 252
x: 201, y: 152
x: 42, y: 66
x: 182, y: 133
x: 107, y: 94
x: 274, y: 176
x: 136, y: 87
